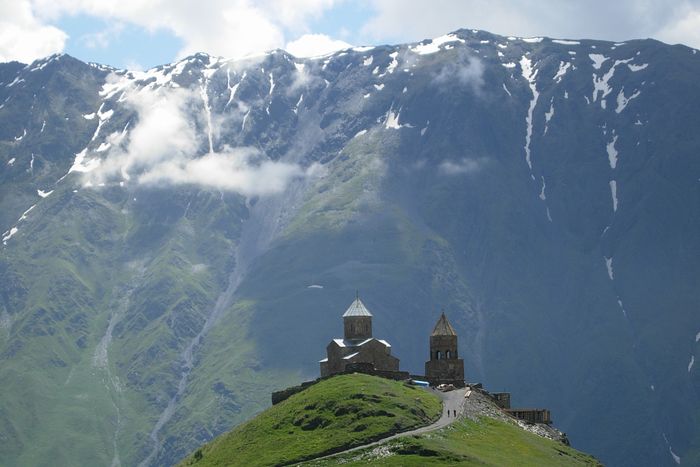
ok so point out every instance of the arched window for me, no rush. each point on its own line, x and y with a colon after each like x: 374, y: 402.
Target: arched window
x: 447, y: 354
x: 437, y: 355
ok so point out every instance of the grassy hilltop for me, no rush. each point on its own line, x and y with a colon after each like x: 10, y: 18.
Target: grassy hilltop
x: 486, y: 442
x: 333, y: 415
x: 352, y: 410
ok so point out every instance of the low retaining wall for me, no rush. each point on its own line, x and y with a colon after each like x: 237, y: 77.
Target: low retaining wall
x: 531, y: 415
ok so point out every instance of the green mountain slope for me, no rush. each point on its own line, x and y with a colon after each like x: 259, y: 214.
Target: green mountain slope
x: 352, y: 410
x: 335, y: 414
x: 483, y: 442
x: 140, y: 320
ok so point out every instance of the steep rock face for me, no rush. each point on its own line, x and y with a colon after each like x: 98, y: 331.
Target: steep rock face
x: 544, y: 192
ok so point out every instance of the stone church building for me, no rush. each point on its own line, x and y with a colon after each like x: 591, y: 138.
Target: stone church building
x: 444, y: 366
x: 359, y: 349
x: 357, y: 345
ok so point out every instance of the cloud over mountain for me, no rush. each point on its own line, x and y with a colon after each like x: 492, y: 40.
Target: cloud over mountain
x: 164, y: 148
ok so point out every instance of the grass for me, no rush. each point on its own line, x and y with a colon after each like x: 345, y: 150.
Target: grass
x: 350, y: 189
x: 487, y: 442
x: 333, y: 415
x: 78, y: 262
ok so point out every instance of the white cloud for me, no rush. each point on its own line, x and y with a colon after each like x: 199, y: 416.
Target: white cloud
x: 462, y: 167
x: 164, y: 148
x: 467, y: 70
x: 162, y: 132
x: 314, y: 45
x: 234, y: 28
x: 228, y: 28
x: 102, y: 38
x: 685, y: 30
x: 23, y: 37
x: 243, y: 170
x: 596, y: 19
x: 133, y: 65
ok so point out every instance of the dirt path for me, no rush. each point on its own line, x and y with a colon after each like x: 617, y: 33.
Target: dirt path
x: 451, y: 401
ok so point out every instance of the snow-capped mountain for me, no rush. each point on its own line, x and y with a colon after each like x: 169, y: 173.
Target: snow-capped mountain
x: 179, y: 242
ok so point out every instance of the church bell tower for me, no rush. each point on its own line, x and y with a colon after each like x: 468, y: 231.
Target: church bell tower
x: 444, y: 365
x: 357, y: 321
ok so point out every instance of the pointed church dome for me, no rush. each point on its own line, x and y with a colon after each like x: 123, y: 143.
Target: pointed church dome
x: 357, y: 308
x: 443, y: 327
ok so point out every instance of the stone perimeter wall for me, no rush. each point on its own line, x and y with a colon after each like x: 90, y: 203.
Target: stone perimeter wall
x: 502, y: 399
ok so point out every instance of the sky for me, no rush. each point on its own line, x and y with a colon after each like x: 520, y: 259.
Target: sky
x: 139, y: 34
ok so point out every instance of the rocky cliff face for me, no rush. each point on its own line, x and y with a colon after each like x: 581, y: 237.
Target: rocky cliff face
x: 177, y: 242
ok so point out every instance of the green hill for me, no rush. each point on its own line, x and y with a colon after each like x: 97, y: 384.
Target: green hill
x: 333, y: 415
x: 486, y: 442
x: 353, y: 410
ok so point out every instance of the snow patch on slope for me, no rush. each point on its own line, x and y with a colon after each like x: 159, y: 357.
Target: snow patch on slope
x: 622, y: 308
x: 232, y: 89
x: 103, y: 147
x: 600, y: 83
x: 392, y: 120
x: 612, y: 153
x: 529, y: 73
x: 506, y: 90
x: 563, y: 68
x: 622, y: 101
x: 674, y: 456
x: 565, y: 42
x: 102, y: 118
x: 8, y: 235
x: 634, y: 67
x: 296, y: 106
x: 434, y: 45
x: 392, y: 66
x: 26, y: 213
x: 548, y: 116
x: 598, y: 60
x: 609, y: 267
x: 80, y: 164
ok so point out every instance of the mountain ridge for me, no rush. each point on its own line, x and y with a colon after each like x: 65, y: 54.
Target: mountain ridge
x: 430, y: 197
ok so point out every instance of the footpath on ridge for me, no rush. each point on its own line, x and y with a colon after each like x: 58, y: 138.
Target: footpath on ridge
x: 452, y: 402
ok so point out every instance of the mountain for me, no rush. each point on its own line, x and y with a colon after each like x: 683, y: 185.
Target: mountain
x: 350, y: 411
x: 181, y: 241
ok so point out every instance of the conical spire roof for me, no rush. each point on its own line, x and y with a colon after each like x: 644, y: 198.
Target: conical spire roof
x: 357, y: 308
x: 443, y: 327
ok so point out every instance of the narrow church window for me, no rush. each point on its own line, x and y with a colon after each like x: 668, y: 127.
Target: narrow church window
x: 437, y: 355
x: 447, y: 354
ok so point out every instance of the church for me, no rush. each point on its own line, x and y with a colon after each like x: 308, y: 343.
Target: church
x: 359, y: 348
x: 444, y: 366
x: 357, y: 345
